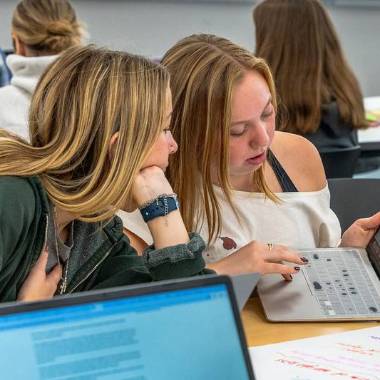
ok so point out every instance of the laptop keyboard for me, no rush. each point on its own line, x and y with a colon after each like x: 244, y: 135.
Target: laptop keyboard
x: 340, y: 283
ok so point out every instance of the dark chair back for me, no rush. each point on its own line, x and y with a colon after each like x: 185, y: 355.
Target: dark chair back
x: 352, y: 198
x: 340, y: 163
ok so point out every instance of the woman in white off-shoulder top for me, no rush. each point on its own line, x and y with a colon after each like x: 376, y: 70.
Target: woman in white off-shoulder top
x: 238, y: 180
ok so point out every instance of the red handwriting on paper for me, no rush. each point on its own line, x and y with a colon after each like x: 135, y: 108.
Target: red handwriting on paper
x: 320, y: 369
x: 358, y: 349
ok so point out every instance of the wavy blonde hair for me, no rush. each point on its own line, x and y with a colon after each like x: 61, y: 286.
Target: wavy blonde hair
x: 47, y: 26
x: 204, y: 69
x: 81, y: 101
x: 298, y: 40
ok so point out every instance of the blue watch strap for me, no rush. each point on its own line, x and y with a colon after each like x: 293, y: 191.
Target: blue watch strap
x: 161, y: 206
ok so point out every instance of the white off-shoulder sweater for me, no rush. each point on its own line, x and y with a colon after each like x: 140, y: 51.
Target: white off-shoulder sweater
x: 299, y: 220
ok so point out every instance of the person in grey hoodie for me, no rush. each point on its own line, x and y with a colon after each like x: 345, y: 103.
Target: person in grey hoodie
x: 41, y: 29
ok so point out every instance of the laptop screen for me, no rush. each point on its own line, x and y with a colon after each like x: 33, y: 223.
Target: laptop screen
x: 179, y: 334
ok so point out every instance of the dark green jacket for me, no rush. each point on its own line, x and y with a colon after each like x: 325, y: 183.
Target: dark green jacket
x: 24, y: 211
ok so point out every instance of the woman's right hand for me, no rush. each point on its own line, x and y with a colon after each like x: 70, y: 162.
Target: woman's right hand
x: 257, y: 257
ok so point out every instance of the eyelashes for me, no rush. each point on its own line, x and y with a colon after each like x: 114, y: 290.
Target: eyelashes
x: 239, y: 129
x: 267, y: 115
x: 239, y: 132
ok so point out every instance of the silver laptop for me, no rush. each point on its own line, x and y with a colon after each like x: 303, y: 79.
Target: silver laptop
x: 244, y: 285
x: 337, y: 284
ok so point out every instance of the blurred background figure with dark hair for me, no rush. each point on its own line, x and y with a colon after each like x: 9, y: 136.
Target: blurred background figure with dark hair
x: 319, y: 95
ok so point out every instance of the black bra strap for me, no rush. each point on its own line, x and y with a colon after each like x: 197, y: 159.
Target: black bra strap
x: 285, y: 182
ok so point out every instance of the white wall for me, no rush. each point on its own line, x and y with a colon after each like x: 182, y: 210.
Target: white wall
x: 359, y: 31
x: 151, y: 27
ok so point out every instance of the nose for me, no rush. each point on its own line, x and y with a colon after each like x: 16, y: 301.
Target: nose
x: 259, y: 137
x: 173, y: 146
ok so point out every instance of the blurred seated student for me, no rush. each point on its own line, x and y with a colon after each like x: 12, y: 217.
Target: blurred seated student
x: 238, y: 180
x: 100, y: 141
x: 4, y: 74
x: 41, y: 29
x: 319, y: 95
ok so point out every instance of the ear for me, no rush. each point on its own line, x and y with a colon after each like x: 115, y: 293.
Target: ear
x: 20, y: 48
x: 112, y: 145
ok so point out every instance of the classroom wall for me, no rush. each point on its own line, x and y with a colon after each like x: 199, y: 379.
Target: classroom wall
x: 151, y: 27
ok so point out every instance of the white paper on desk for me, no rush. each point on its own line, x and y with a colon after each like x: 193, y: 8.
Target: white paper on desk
x: 369, y: 135
x: 353, y: 355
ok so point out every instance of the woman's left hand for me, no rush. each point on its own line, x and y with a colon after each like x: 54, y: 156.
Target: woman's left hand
x: 360, y: 233
x: 40, y: 285
x: 149, y: 184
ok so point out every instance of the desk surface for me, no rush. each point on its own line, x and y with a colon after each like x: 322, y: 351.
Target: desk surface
x: 259, y: 331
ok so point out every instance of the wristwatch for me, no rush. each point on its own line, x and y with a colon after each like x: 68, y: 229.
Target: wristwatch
x: 160, y: 206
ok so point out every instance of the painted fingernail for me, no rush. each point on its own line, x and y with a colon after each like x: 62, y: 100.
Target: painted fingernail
x: 304, y: 259
x: 297, y: 268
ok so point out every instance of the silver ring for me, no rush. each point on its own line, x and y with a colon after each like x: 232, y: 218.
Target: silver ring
x: 270, y: 247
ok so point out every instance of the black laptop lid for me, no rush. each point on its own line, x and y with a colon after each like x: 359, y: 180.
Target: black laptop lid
x: 174, y: 330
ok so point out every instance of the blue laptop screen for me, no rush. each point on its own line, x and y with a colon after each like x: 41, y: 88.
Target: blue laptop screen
x: 181, y: 334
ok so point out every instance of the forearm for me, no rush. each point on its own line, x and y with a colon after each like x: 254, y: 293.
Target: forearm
x: 168, y: 230
x: 226, y: 266
x: 218, y: 267
x: 151, y: 192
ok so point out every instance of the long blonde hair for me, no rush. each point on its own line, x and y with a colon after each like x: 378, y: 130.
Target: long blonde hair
x: 299, y: 42
x: 81, y: 101
x: 204, y: 70
x: 47, y: 26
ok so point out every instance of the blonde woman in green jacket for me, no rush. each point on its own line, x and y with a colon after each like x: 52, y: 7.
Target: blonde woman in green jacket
x: 100, y: 141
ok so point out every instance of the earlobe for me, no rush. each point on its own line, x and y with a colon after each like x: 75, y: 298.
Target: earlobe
x: 112, y: 144
x: 19, y: 46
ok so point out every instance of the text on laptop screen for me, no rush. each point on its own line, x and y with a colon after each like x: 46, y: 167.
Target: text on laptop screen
x: 181, y: 334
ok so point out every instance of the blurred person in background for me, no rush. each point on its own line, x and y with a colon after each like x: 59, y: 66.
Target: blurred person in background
x: 319, y: 95
x: 41, y: 30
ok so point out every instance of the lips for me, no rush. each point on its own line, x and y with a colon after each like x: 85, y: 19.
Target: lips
x: 257, y: 160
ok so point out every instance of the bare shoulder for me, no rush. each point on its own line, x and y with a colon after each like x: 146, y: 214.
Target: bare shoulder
x: 301, y: 161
